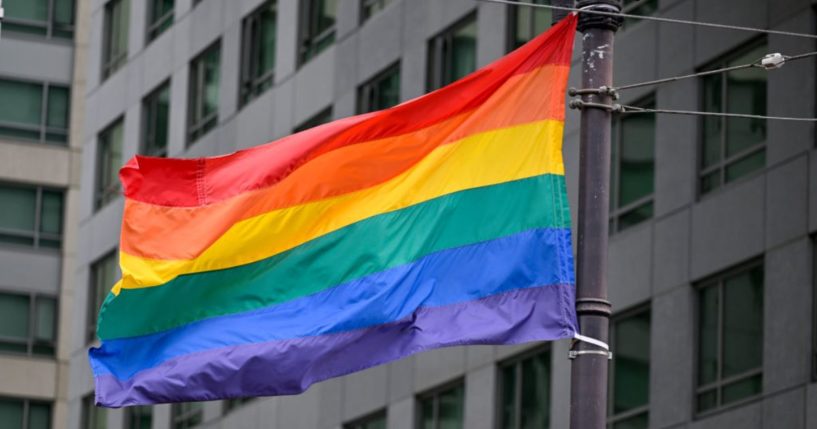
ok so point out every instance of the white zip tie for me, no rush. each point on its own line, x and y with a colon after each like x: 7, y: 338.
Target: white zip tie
x: 573, y: 354
x: 593, y: 341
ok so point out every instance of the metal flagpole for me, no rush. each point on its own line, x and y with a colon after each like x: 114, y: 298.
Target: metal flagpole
x: 588, y: 393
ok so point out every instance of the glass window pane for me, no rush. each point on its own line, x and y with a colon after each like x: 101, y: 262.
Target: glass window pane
x: 266, y: 53
x: 46, y: 310
x: 64, y: 12
x: 707, y: 400
x: 451, y: 408
x: 21, y: 103
x: 427, y: 413
x: 211, y: 82
x: 388, y: 90
x: 509, y: 398
x: 139, y: 417
x: 632, y: 365
x: 327, y: 11
x: 635, y: 216
x: 746, y: 165
x: 746, y: 93
x: 11, y: 413
x: 743, y: 322
x: 39, y: 416
x: 58, y: 108
x: 636, y: 173
x: 464, y: 55
x: 14, y: 316
x: 17, y: 208
x: 708, y: 308
x: 31, y: 10
x: 742, y: 389
x: 51, y: 213
x: 536, y: 391
x: 713, y: 102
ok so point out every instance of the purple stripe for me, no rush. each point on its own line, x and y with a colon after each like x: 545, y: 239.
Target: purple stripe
x: 289, y: 367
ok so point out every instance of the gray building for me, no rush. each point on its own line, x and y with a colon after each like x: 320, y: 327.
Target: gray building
x: 712, y: 248
x: 42, y: 86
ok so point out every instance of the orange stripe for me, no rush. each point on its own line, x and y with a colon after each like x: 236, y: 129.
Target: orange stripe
x: 160, y: 232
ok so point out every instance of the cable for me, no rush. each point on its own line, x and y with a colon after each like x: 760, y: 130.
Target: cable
x: 633, y: 109
x: 656, y: 18
x: 758, y: 64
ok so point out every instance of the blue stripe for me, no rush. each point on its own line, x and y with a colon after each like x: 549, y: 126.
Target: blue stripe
x: 532, y: 258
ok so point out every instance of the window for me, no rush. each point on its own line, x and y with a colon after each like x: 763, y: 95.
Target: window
x: 371, y: 7
x: 381, y: 92
x: 730, y: 337
x: 452, y: 54
x: 138, y: 417
x: 160, y: 17
x: 185, y: 415
x: 526, y: 22
x: 115, y: 39
x: 630, y: 371
x: 321, y: 118
x: 31, y: 216
x: 442, y: 408
x: 204, y: 85
x: 108, y: 161
x: 232, y: 404
x: 93, y: 417
x: 632, y: 173
x: 317, y: 28
x: 638, y: 7
x: 155, y: 120
x: 524, y: 391
x: 104, y: 273
x: 34, y: 111
x: 372, y: 421
x: 48, y: 18
x: 258, y: 51
x: 25, y: 414
x: 733, y: 147
x: 28, y: 323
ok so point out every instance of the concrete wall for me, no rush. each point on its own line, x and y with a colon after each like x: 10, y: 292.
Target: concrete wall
x: 767, y: 215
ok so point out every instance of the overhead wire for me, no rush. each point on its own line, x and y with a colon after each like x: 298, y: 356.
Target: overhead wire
x: 624, y: 109
x: 656, y: 18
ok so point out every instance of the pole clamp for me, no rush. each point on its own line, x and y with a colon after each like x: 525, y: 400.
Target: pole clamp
x: 602, y: 90
x: 605, y: 349
x: 581, y: 105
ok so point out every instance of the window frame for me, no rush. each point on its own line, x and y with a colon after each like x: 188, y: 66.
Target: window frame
x: 89, y: 411
x: 27, y: 402
x: 92, y: 312
x: 316, y: 120
x: 360, y: 422
x: 512, y: 24
x: 436, y: 50
x: 103, y: 197
x: 516, y: 362
x: 308, y: 37
x: 198, y: 128
x: 434, y: 393
x: 180, y: 419
x: 613, y: 418
x: 150, y: 119
x: 111, y: 64
x: 130, y: 414
x: 30, y: 341
x: 616, y: 211
x: 717, y: 280
x: 36, y: 235
x: 51, y: 26
x: 42, y: 129
x: 723, y: 163
x: 251, y: 84
x: 364, y: 4
x: 370, y: 86
x: 159, y: 24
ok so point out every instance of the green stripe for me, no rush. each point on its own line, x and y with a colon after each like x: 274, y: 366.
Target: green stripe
x: 360, y: 249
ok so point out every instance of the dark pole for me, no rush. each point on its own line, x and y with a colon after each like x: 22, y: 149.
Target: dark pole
x: 588, y: 394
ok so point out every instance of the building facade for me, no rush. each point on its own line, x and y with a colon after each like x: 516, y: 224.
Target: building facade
x: 712, y: 247
x: 42, y: 93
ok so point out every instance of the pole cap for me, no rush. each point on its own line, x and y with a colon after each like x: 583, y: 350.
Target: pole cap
x: 589, y: 20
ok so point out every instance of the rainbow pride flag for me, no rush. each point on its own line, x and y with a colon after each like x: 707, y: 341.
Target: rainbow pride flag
x: 442, y: 221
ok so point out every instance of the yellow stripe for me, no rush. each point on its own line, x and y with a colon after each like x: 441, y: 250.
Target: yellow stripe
x: 484, y: 159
